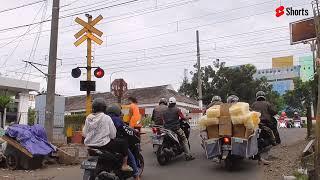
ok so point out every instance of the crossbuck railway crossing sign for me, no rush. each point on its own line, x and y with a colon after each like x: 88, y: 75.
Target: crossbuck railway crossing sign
x: 90, y: 30
x: 89, y: 33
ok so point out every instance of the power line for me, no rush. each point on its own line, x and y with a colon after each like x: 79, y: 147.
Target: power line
x: 88, y: 11
x: 18, y: 7
x: 22, y: 36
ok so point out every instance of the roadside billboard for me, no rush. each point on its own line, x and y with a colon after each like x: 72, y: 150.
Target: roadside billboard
x: 303, y: 30
x: 307, y: 69
x: 281, y: 62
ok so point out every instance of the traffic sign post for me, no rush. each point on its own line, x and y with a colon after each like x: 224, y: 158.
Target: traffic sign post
x: 88, y: 32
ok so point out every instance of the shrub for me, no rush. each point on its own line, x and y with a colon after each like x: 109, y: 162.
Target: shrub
x: 74, y: 121
x: 146, y: 122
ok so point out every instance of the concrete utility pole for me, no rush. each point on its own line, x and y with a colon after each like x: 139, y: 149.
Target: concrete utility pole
x: 199, y: 72
x: 312, y: 44
x: 51, y: 85
x: 316, y: 12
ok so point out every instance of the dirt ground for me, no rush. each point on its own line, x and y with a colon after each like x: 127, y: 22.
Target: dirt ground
x: 285, y: 159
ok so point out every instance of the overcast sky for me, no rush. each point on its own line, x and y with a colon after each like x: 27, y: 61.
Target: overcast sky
x: 148, y: 42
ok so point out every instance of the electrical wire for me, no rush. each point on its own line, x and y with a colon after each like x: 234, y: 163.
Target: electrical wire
x: 14, y: 49
x: 18, y: 7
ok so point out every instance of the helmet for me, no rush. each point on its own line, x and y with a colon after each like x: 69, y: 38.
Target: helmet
x: 163, y: 101
x: 232, y: 99
x: 172, y: 100
x: 99, y: 105
x: 295, y: 113
x: 216, y: 99
x: 261, y: 94
x: 114, y: 109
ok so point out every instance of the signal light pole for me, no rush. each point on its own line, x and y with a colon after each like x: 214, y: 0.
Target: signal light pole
x: 88, y: 33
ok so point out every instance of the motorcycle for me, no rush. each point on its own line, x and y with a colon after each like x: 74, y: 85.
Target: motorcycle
x: 228, y: 150
x: 166, y: 143
x: 105, y: 165
x: 297, y: 124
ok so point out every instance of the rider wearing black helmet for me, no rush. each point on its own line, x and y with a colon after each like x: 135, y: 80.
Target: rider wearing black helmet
x: 157, y: 114
x: 100, y: 132
x: 124, y: 132
x: 233, y: 99
x: 216, y: 100
x: 267, y: 111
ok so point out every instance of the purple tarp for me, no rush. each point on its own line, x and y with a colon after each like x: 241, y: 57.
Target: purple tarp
x: 33, y: 138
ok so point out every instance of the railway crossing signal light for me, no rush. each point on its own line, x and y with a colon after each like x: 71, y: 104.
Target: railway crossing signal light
x: 76, y: 72
x: 99, y: 73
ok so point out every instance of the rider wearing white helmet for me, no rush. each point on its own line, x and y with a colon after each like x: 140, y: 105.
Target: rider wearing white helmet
x: 172, y: 117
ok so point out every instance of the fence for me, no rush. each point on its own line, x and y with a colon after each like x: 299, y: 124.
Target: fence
x: 195, y: 117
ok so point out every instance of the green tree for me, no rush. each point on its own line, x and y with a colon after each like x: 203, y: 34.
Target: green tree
x: 300, y: 98
x: 217, y: 79
x: 31, y: 116
x: 4, y: 102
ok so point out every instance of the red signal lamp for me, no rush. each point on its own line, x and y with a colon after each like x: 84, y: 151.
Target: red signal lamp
x: 99, y: 73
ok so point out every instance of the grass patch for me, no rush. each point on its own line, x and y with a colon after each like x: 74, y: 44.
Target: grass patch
x: 300, y: 176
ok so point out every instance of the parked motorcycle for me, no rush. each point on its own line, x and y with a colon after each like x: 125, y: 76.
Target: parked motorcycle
x: 104, y: 165
x: 166, y: 143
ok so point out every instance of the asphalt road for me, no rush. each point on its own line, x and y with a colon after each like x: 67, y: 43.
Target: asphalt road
x: 200, y: 168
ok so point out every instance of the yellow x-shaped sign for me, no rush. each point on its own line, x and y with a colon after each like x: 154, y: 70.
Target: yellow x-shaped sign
x: 89, y: 29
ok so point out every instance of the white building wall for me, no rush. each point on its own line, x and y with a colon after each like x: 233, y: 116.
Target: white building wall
x: 23, y: 108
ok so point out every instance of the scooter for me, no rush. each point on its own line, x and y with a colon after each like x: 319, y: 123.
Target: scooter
x: 105, y: 165
x: 297, y: 124
x: 166, y: 143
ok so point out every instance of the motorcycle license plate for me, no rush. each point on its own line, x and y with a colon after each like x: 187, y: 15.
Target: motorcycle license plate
x: 89, y: 164
x: 226, y: 147
x: 157, y: 141
x: 238, y: 140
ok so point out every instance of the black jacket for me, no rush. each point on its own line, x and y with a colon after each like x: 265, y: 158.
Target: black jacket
x: 172, y: 117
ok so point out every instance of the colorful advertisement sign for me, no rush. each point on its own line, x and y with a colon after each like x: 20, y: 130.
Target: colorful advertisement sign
x: 281, y: 62
x: 306, y: 70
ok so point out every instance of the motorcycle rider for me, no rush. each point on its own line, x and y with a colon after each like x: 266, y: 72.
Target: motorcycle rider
x: 296, y: 117
x: 267, y: 111
x: 172, y: 117
x: 232, y: 99
x: 157, y: 114
x: 216, y: 100
x: 124, y: 132
x: 100, y: 133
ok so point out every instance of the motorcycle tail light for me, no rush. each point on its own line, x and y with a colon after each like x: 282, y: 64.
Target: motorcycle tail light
x: 156, y: 130
x: 226, y: 140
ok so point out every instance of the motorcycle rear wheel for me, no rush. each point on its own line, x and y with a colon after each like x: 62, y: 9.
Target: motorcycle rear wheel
x: 228, y: 163
x: 162, y: 159
x: 87, y: 175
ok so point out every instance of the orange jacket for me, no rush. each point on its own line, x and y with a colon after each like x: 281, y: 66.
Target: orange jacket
x: 135, y: 115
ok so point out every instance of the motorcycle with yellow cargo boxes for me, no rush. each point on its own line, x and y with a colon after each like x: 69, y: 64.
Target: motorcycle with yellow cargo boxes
x: 229, y: 132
